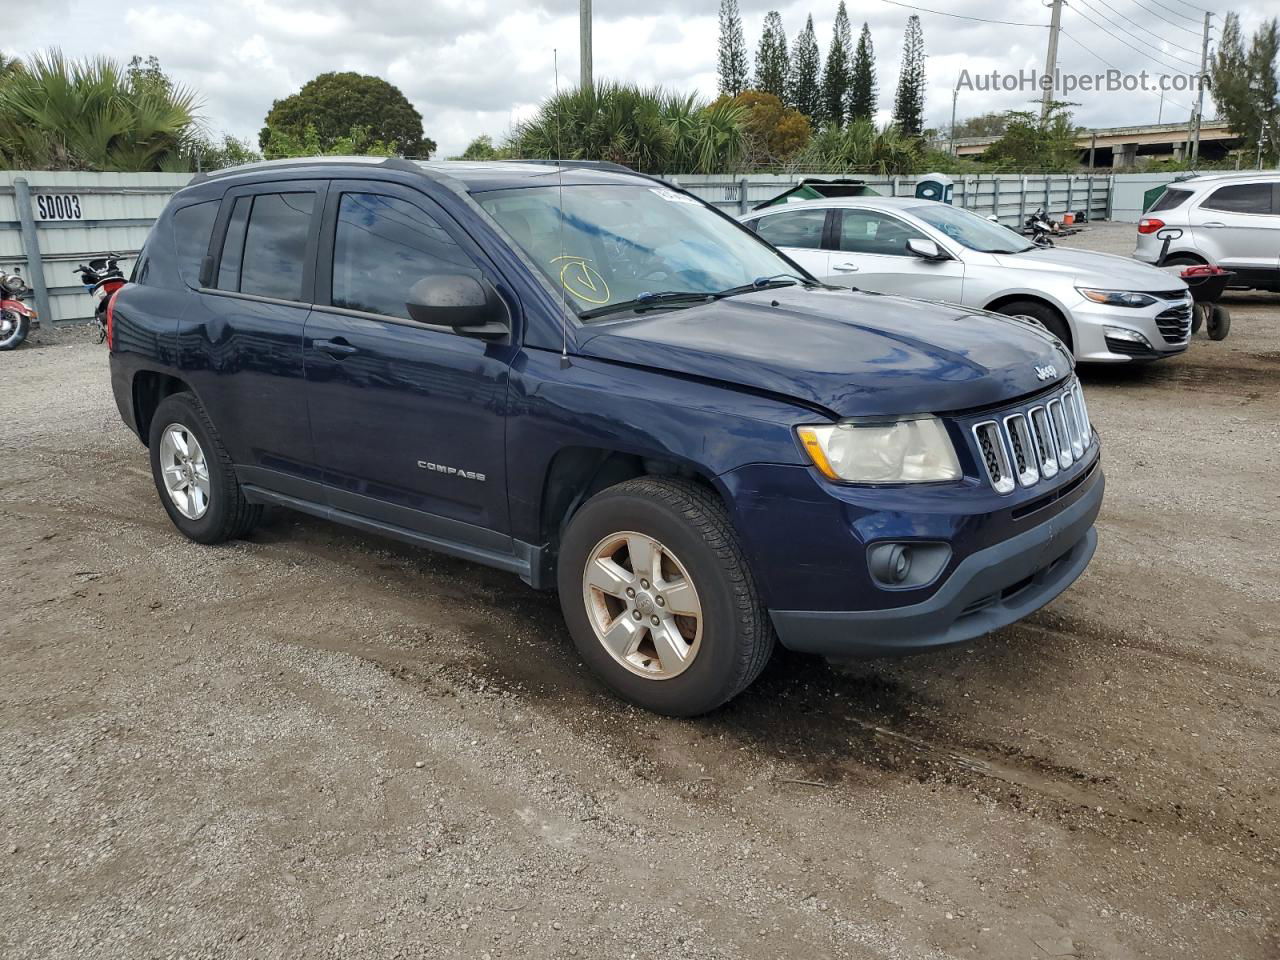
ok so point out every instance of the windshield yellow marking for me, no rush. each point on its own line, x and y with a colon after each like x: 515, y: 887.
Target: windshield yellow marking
x: 583, y: 280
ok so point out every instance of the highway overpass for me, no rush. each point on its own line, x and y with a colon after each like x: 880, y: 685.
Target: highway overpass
x: 1120, y: 147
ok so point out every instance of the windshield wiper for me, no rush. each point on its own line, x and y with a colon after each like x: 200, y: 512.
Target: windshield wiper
x: 765, y: 283
x: 648, y: 301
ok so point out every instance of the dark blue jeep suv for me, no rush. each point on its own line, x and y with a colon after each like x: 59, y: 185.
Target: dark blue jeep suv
x: 598, y: 382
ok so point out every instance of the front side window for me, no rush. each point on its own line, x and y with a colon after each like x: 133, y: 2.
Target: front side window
x: 275, y: 245
x: 969, y: 229
x: 609, y: 244
x: 191, y: 229
x: 864, y: 231
x: 793, y: 228
x: 382, y: 246
x: 1241, y: 198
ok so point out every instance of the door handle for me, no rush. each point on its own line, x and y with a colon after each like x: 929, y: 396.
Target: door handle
x: 1213, y: 223
x: 846, y: 267
x: 336, y: 348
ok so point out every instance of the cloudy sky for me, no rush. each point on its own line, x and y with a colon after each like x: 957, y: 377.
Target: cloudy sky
x: 477, y: 66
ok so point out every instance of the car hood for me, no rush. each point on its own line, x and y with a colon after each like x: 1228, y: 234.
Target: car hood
x: 1087, y: 268
x: 852, y: 353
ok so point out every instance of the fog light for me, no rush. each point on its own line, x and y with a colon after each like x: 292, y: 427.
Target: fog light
x: 1130, y: 336
x: 891, y: 562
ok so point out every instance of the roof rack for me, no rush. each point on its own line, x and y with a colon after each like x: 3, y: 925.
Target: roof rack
x: 288, y: 163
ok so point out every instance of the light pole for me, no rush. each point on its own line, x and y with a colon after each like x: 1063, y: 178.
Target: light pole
x: 584, y: 40
x: 955, y: 95
x: 1051, y: 57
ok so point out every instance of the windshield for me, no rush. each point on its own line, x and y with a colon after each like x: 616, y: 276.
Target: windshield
x: 613, y: 244
x: 969, y: 229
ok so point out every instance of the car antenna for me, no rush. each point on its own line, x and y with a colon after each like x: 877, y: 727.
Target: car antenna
x: 564, y: 297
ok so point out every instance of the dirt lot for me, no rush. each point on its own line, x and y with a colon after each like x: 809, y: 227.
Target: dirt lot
x: 321, y: 744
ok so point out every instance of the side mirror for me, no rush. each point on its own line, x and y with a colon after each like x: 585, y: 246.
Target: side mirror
x: 459, y: 300
x: 925, y: 249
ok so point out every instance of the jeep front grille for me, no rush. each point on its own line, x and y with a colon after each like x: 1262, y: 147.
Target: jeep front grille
x: 1024, y: 447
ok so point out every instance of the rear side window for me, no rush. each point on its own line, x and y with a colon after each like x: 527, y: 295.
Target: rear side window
x: 266, y: 245
x: 1241, y: 198
x: 794, y: 228
x: 191, y: 229
x: 382, y: 246
x: 1169, y: 200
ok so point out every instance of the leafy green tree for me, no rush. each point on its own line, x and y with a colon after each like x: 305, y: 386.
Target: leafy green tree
x: 732, y: 64
x: 773, y: 63
x: 908, y: 103
x: 774, y: 132
x: 1035, y: 144
x: 806, y: 93
x: 861, y: 147
x: 862, y: 81
x: 358, y: 141
x: 481, y: 148
x: 1244, y: 86
x: 991, y: 124
x: 93, y: 114
x: 836, y: 73
x: 211, y: 154
x: 335, y: 104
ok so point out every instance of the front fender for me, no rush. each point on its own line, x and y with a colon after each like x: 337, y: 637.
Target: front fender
x: 19, y: 306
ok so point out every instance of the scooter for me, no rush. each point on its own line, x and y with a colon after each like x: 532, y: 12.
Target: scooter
x: 17, y: 318
x: 1040, y: 228
x: 102, y: 277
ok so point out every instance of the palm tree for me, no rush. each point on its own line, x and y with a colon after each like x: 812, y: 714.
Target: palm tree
x: 57, y: 113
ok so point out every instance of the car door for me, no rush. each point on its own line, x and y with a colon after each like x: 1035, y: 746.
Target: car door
x: 1238, y: 226
x: 240, y: 339
x: 870, y: 253
x: 408, y: 420
x: 799, y: 234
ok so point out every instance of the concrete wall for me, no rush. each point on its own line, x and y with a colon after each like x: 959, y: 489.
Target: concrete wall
x: 1126, y: 195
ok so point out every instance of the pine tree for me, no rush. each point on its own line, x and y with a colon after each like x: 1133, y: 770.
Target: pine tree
x: 835, y: 76
x: 773, y: 63
x: 1244, y: 85
x: 733, y: 50
x: 908, y: 103
x: 862, y: 79
x: 806, y: 95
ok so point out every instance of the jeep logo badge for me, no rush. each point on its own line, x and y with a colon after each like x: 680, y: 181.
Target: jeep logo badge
x: 1047, y: 372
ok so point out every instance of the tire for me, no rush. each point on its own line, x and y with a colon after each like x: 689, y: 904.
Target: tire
x: 729, y: 641
x: 1183, y: 260
x: 17, y: 333
x: 1219, y: 323
x: 1043, y: 314
x: 226, y: 514
x: 1198, y: 311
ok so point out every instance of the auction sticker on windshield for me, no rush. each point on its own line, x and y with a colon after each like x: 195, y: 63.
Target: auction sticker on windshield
x: 671, y: 196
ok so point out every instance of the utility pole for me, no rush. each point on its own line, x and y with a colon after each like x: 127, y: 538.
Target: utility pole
x: 1051, y: 57
x: 955, y: 95
x: 584, y: 29
x: 1194, y: 133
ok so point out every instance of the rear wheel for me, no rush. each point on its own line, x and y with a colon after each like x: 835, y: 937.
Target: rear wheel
x: 14, y: 327
x: 1219, y: 322
x: 658, y: 597
x: 1042, y: 314
x: 193, y: 474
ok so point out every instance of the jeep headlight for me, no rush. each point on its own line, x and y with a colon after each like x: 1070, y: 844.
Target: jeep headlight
x: 915, y: 450
x: 1117, y: 298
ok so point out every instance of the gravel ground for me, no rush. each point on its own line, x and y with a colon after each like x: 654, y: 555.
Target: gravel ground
x: 316, y: 743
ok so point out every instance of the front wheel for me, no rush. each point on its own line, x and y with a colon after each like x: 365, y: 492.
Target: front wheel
x: 1219, y: 323
x: 1042, y: 314
x: 658, y: 597
x: 14, y: 327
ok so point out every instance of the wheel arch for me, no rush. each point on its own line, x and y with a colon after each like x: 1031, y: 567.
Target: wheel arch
x: 148, y: 389
x: 1038, y: 298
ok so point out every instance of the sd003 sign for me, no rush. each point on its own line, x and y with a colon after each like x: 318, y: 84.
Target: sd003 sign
x: 58, y: 206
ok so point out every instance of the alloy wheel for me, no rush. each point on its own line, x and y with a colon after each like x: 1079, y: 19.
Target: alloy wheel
x: 185, y: 471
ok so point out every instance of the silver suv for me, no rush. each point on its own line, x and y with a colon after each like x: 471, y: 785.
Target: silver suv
x: 1231, y: 220
x: 1105, y: 308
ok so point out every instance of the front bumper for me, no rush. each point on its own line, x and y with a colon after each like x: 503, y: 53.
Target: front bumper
x: 1094, y: 343
x: 989, y: 589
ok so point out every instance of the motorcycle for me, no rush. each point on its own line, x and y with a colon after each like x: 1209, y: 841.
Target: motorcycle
x: 17, y: 319
x: 102, y: 277
x: 1040, y: 228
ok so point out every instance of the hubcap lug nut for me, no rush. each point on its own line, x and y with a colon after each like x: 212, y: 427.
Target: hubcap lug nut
x: 655, y: 621
x: 645, y: 584
x: 630, y: 592
x: 636, y: 614
x: 659, y: 601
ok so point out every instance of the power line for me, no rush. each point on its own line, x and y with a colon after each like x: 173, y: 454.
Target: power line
x: 1139, y: 50
x: 1178, y: 26
x: 1177, y: 13
x: 1193, y: 7
x: 1194, y: 53
x: 1090, y: 51
x: 960, y: 16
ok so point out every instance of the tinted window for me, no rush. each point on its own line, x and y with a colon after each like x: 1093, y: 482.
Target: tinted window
x: 275, y: 245
x: 382, y: 246
x: 233, y: 246
x: 794, y: 228
x: 191, y: 229
x: 1170, y: 199
x: 862, y: 231
x: 1241, y: 198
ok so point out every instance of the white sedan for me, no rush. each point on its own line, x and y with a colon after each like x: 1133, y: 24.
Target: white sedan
x: 1105, y: 308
